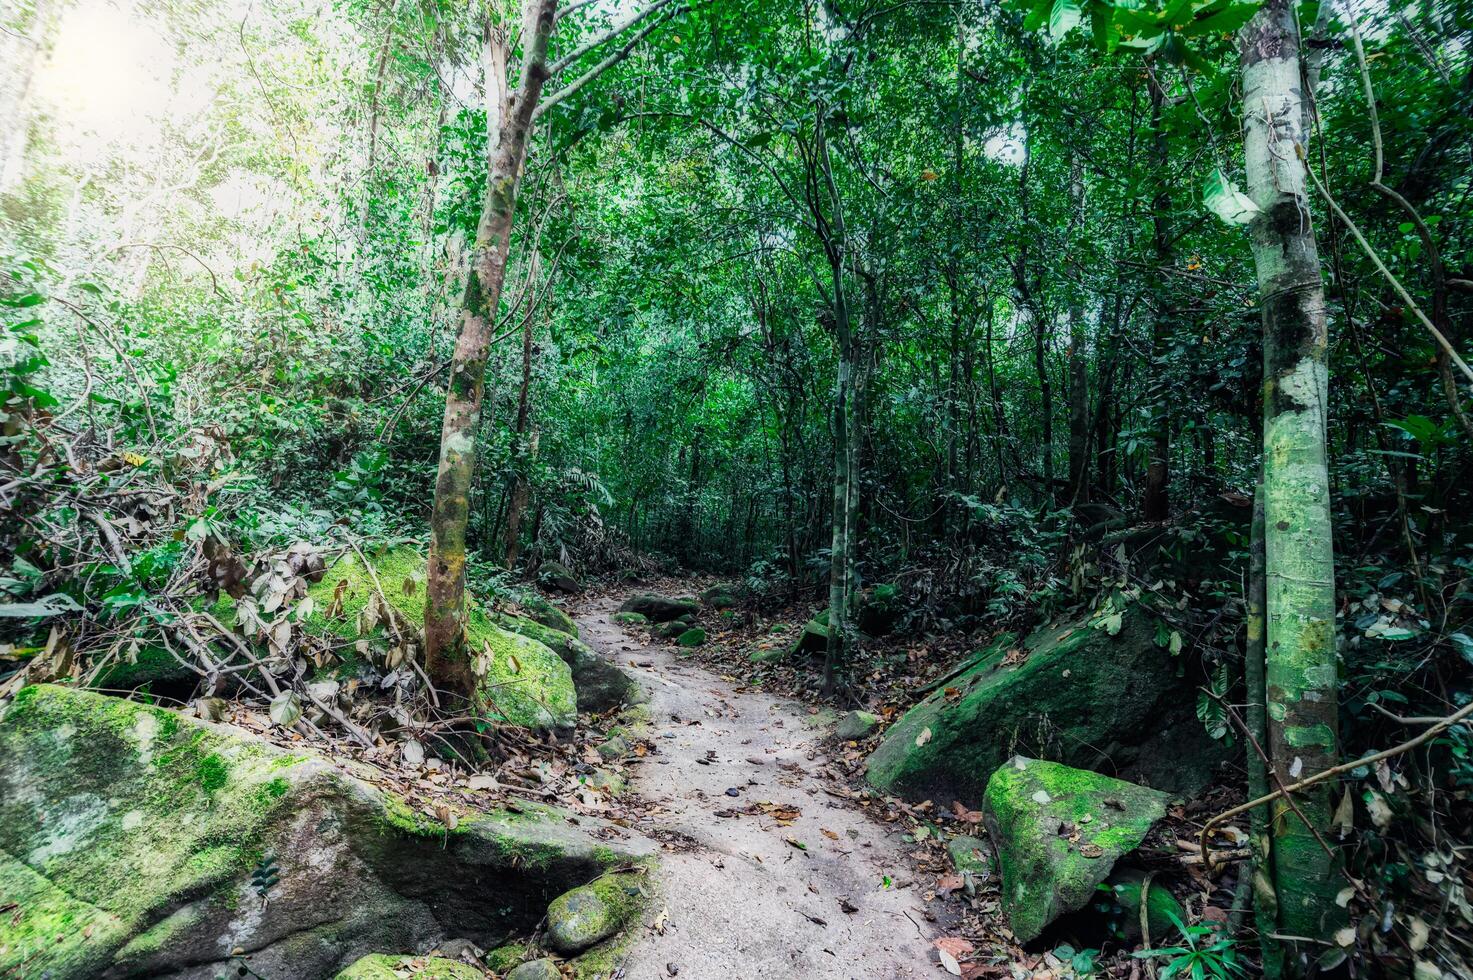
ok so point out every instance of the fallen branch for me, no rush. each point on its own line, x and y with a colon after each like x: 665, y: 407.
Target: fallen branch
x: 1440, y: 726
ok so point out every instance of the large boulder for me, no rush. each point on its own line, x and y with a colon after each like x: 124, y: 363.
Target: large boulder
x: 138, y: 842
x: 1058, y: 832
x: 658, y: 608
x: 600, y: 684
x: 1098, y: 692
x: 523, y: 683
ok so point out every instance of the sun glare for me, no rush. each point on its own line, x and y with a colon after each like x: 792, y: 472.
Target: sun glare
x: 107, y: 73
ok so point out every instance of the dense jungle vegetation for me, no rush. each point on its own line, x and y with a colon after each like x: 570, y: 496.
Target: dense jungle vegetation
x: 924, y: 327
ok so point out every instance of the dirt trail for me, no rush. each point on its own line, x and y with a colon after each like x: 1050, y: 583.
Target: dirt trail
x: 744, y: 903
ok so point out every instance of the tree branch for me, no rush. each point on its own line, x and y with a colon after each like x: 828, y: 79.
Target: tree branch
x: 604, y: 38
x: 572, y: 87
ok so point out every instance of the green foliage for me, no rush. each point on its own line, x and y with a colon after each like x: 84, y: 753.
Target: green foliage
x: 1202, y: 953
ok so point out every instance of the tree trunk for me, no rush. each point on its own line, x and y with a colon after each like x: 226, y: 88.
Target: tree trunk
x: 1265, y: 900
x: 1300, y: 664
x: 1078, y: 365
x: 450, y: 666
x: 1156, y: 503
x: 523, y: 451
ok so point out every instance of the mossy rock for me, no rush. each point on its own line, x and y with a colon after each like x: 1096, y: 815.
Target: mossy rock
x: 1058, y: 832
x: 382, y: 966
x: 549, y: 615
x: 543, y: 969
x: 630, y: 618
x: 856, y: 725
x: 138, y: 842
x: 815, y: 636
x: 658, y: 608
x: 591, y: 913
x: 556, y: 575
x: 671, y: 630
x: 767, y: 656
x: 150, y: 665
x: 600, y: 685
x: 692, y: 637
x: 1080, y: 695
x: 524, y: 683
x: 503, y: 958
x: 722, y: 595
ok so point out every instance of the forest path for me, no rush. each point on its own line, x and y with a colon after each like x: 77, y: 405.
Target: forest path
x: 742, y: 901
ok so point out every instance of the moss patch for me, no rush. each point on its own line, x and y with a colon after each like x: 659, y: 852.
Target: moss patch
x: 524, y: 682
x: 1058, y: 832
x: 380, y: 966
x: 1073, y: 693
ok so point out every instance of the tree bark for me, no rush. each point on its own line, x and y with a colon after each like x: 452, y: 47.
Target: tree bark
x: 524, y: 450
x: 1078, y: 365
x: 450, y: 666
x: 1156, y: 502
x: 1300, y: 663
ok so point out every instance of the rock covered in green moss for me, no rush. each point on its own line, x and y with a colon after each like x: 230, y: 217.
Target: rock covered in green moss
x: 693, y: 637
x: 503, y: 958
x: 767, y: 656
x: 591, y: 913
x: 722, y: 595
x: 556, y: 575
x: 856, y: 725
x: 1058, y: 832
x: 1076, y: 693
x: 381, y: 966
x: 137, y: 842
x: 630, y: 618
x: 600, y: 684
x: 524, y: 682
x: 543, y: 969
x: 541, y: 611
x: 658, y: 608
x: 148, y: 665
x: 814, y: 638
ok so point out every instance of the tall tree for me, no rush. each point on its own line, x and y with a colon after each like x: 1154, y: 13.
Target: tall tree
x: 509, y: 115
x: 1300, y: 662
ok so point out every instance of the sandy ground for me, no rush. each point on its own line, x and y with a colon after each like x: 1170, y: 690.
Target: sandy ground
x: 741, y: 901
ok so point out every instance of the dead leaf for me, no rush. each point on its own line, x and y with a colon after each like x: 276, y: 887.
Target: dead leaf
x: 952, y: 950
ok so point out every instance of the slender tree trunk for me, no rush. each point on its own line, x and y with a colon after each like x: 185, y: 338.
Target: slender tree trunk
x: 523, y: 451
x: 1078, y: 364
x: 1300, y: 663
x: 1265, y: 899
x: 450, y: 666
x: 1156, y: 502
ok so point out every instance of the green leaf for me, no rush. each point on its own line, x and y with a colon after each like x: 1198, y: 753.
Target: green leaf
x: 1064, y: 17
x: 46, y: 606
x: 1223, y: 198
x: 1223, y: 22
x: 1464, y: 645
x: 1038, y: 15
